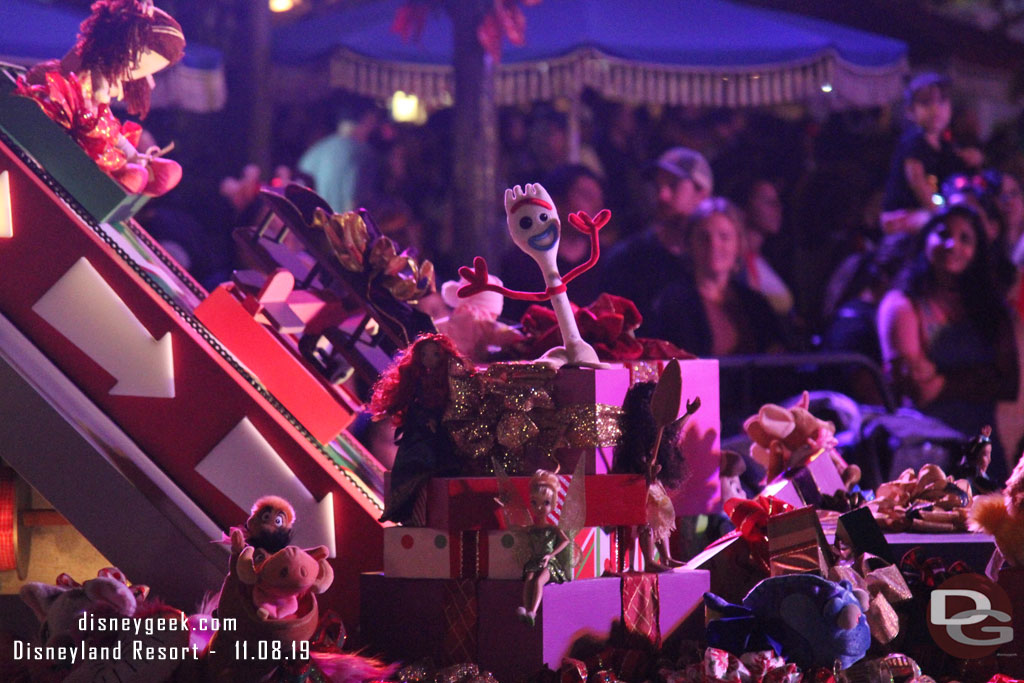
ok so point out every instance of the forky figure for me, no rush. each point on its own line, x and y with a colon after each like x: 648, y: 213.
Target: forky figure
x: 534, y: 226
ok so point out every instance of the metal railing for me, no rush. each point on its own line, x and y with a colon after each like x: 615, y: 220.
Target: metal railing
x: 746, y: 369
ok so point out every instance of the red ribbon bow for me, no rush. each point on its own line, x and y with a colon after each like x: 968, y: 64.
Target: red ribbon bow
x: 929, y: 572
x: 750, y: 517
x: 95, y: 130
x: 608, y: 325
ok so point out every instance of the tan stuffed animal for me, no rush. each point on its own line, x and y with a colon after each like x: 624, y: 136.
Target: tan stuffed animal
x: 1002, y: 515
x: 786, y: 437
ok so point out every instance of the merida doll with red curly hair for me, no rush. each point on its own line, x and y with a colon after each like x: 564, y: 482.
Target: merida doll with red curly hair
x: 414, y: 393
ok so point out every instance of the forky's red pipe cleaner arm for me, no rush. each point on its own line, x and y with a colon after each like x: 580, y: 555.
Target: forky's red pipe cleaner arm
x: 534, y: 226
x: 476, y: 277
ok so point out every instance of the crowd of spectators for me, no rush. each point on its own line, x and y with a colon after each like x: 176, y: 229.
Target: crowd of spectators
x: 747, y: 231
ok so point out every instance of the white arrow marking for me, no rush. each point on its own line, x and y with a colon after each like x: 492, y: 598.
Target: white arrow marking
x: 86, y: 310
x: 244, y: 467
x: 6, y: 220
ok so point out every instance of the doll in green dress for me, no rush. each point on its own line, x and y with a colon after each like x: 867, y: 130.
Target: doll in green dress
x: 546, y: 543
x: 547, y: 550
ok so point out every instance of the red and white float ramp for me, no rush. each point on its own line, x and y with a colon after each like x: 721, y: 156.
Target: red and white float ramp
x: 135, y: 422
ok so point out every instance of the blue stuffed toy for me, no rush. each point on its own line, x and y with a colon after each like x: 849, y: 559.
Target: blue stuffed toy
x: 806, y: 619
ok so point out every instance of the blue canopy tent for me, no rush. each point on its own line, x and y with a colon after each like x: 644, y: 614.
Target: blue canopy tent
x: 31, y: 31
x: 672, y: 52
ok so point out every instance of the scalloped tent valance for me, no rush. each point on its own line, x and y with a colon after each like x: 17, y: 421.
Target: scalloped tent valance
x: 851, y: 86
x: 692, y: 52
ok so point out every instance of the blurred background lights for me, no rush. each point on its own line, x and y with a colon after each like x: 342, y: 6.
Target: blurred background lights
x: 826, y: 87
x: 282, y: 5
x: 407, y: 108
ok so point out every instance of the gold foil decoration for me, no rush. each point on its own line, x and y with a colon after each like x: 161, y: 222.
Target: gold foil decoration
x: 413, y: 673
x: 643, y: 371
x: 806, y: 558
x: 591, y: 425
x: 889, y: 582
x: 347, y: 235
x: 939, y: 503
x: 509, y: 412
x: 458, y: 673
x: 515, y: 430
x: 462, y: 394
x: 882, y: 619
x: 400, y: 274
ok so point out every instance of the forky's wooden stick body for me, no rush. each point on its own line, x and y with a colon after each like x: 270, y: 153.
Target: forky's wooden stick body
x: 535, y: 228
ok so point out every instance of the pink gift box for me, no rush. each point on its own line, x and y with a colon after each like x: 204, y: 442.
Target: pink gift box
x: 701, y: 439
x: 701, y: 442
x: 589, y: 386
x: 575, y: 614
x: 407, y: 618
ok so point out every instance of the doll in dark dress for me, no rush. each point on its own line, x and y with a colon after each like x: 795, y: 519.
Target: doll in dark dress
x: 973, y: 465
x: 633, y: 455
x: 414, y: 393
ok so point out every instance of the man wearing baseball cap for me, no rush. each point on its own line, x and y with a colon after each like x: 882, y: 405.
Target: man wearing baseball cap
x: 640, y: 266
x: 683, y: 178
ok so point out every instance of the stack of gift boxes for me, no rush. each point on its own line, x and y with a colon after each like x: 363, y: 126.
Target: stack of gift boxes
x: 449, y: 589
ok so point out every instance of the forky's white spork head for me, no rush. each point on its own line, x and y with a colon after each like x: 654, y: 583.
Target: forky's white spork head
x: 533, y: 223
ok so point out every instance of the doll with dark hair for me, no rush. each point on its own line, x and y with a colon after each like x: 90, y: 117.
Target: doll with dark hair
x: 731, y: 468
x: 120, y: 46
x: 664, y: 469
x: 268, y: 528
x: 270, y: 523
x: 414, y: 392
x: 973, y: 465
